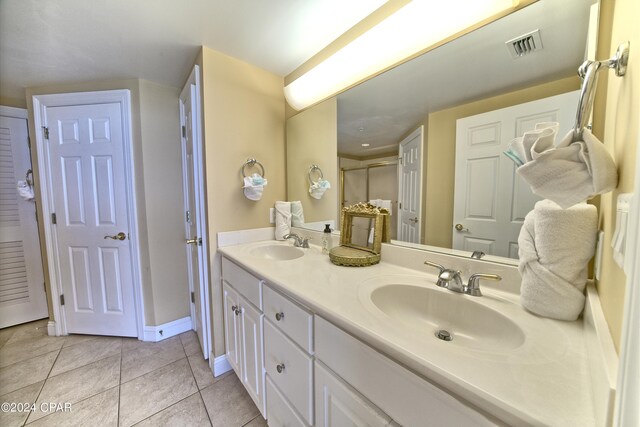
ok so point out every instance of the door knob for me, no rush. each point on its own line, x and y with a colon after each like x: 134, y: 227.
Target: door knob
x: 195, y: 241
x: 460, y: 227
x: 414, y: 220
x: 119, y: 236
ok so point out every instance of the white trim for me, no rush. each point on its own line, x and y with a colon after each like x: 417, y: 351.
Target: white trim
x: 40, y: 104
x: 219, y: 365
x: 200, y: 198
x: 167, y: 330
x: 627, y: 412
x: 51, y: 328
x: 18, y: 113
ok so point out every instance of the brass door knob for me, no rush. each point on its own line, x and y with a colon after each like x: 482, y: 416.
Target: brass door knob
x: 119, y: 236
x: 194, y: 241
x: 460, y: 227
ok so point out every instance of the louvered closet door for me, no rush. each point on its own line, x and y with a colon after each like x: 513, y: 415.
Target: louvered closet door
x: 22, y: 294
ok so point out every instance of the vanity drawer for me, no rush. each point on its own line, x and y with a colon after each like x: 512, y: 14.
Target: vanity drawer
x: 289, y: 317
x: 248, y: 285
x: 296, y: 370
x: 279, y: 412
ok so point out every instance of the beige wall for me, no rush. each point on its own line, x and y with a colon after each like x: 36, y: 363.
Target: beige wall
x: 155, y: 295
x: 439, y: 178
x: 162, y: 168
x: 13, y: 102
x: 243, y: 116
x: 312, y: 138
x: 622, y: 121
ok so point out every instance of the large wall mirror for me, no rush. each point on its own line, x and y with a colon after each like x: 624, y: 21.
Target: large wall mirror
x: 424, y: 138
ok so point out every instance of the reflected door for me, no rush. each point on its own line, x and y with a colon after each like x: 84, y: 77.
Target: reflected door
x: 410, y: 187
x: 491, y: 200
x: 86, y: 166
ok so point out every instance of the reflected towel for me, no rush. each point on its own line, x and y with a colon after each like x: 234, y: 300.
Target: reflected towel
x: 297, y: 214
x: 283, y: 219
x: 381, y: 203
x: 568, y: 173
x: 555, y: 246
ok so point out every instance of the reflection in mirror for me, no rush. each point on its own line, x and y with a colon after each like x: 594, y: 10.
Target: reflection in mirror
x: 466, y: 78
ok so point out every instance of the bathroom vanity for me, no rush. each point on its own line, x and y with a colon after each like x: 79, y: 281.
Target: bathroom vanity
x: 318, y: 344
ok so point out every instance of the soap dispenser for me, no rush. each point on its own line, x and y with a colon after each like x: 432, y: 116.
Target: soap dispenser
x: 326, y: 239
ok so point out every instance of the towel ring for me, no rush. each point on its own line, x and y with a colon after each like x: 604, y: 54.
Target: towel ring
x: 251, y: 163
x: 314, y: 168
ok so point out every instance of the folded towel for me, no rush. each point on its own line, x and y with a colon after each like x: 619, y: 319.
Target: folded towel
x: 254, y: 186
x: 555, y: 246
x: 568, y: 173
x: 283, y: 219
x: 381, y: 203
x: 297, y: 214
x: 317, y: 188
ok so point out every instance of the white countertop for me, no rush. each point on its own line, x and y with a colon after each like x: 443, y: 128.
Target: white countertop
x: 544, y: 381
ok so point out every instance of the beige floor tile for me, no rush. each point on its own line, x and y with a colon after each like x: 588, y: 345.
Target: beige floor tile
x: 79, y: 384
x: 24, y: 395
x: 228, y: 403
x: 85, y: 353
x: 257, y: 422
x: 5, y: 335
x: 20, y: 350
x: 190, y: 342
x: 186, y: 413
x: 155, y: 391
x: 144, y: 357
x: 101, y: 409
x: 25, y: 373
x: 201, y: 371
x: 74, y: 339
x: 29, y: 330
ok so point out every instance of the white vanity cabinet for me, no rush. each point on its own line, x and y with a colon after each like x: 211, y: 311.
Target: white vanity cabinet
x: 288, y: 360
x: 243, y: 329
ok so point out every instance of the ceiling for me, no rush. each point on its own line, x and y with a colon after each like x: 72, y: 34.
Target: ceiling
x: 382, y: 110
x: 59, y: 41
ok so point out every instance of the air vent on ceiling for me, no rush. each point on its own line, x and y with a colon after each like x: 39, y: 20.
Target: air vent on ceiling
x: 525, y: 44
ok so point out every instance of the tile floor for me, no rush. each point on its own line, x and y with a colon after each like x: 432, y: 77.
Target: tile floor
x: 110, y: 381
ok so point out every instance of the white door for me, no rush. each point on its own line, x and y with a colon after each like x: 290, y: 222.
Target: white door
x: 491, y: 200
x: 410, y: 187
x: 195, y: 225
x: 22, y: 294
x: 85, y: 152
x: 231, y: 327
x: 251, y: 359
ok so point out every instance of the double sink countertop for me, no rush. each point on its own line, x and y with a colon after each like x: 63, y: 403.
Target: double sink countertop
x: 529, y: 370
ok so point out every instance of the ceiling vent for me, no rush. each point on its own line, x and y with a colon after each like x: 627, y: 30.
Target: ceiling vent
x: 525, y: 44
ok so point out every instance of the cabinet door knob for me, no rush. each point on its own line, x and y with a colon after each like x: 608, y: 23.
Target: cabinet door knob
x: 280, y: 368
x: 279, y: 316
x: 235, y: 309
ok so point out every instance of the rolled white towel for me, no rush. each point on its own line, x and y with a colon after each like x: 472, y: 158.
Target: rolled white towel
x: 283, y: 219
x: 297, y: 214
x: 555, y: 246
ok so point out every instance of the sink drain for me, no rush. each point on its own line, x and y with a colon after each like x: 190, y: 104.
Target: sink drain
x: 444, y: 335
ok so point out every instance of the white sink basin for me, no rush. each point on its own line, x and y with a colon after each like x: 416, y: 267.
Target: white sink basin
x: 430, y: 310
x: 277, y: 252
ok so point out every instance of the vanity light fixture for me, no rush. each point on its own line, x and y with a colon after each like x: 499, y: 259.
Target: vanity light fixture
x: 397, y: 31
x: 365, y: 145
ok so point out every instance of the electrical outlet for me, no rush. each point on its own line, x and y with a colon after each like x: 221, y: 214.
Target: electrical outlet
x: 272, y: 215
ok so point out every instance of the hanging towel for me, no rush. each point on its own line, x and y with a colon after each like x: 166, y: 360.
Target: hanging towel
x: 254, y: 186
x: 25, y: 191
x: 297, y: 214
x: 283, y: 219
x: 317, y: 188
x: 555, y: 246
x: 569, y: 173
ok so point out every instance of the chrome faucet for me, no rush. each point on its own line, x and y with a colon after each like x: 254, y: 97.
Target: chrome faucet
x: 452, y: 280
x: 298, y: 242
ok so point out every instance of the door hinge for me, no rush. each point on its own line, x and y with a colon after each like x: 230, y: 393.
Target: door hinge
x: 62, y: 299
x: 400, y: 160
x: 29, y: 142
x: 54, y: 220
x: 399, y: 205
x: 46, y: 132
x: 193, y: 297
x: 184, y: 132
x: 187, y: 215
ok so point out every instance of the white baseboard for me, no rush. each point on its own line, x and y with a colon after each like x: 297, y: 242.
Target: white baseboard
x: 219, y: 365
x: 51, y: 328
x: 167, y: 330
